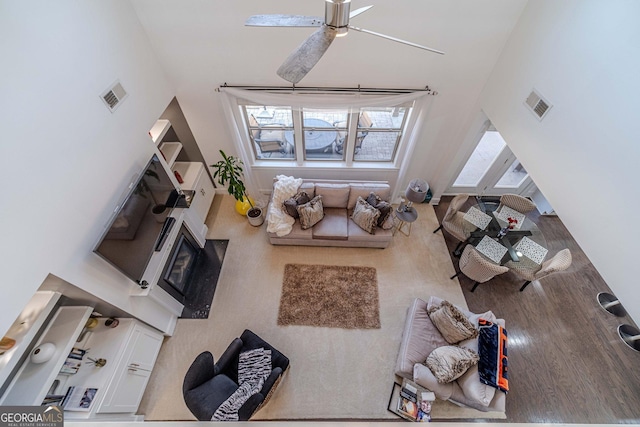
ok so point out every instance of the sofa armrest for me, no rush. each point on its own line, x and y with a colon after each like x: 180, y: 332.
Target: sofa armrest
x: 424, y: 377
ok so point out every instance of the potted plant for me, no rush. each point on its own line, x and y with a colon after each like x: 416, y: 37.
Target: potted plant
x: 229, y: 171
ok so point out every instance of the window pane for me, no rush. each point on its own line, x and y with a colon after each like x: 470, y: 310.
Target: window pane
x: 481, y: 159
x: 322, y: 131
x: 513, y: 177
x: 268, y: 130
x: 378, y: 146
x: 383, y: 117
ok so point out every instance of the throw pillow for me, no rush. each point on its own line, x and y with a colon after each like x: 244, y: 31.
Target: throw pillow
x: 291, y: 205
x: 449, y: 362
x: 311, y: 212
x: 452, y: 323
x: 365, y: 215
x: 383, y: 206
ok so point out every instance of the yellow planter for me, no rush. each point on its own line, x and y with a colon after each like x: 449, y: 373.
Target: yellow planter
x: 243, y: 206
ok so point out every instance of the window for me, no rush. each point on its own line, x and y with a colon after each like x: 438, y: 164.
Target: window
x: 371, y: 134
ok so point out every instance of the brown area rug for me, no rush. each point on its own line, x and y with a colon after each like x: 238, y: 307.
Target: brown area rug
x: 330, y: 296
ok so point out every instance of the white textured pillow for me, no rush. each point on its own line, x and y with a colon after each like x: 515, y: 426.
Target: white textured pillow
x: 452, y: 323
x: 310, y: 213
x: 449, y: 362
x: 365, y: 215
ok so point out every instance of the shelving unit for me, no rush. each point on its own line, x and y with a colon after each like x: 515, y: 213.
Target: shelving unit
x: 159, y: 130
x: 32, y: 381
x: 170, y: 150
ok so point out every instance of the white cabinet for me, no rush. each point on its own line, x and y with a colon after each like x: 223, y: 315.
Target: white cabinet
x: 132, y: 374
x: 195, y: 178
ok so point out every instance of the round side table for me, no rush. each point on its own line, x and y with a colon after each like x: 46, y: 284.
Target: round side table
x: 405, y: 218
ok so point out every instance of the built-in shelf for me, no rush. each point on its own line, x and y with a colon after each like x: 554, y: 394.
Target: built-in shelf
x: 159, y: 130
x: 190, y: 173
x: 170, y: 150
x: 32, y: 381
x: 25, y: 329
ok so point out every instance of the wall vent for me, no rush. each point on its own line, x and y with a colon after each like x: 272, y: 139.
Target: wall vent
x: 537, y: 104
x: 114, y: 96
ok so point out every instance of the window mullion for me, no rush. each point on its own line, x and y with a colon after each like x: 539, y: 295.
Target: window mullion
x: 351, y: 136
x: 297, y: 135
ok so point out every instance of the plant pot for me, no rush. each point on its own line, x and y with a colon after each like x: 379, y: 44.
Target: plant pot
x: 255, y: 217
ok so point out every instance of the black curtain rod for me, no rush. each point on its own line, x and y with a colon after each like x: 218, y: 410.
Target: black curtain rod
x: 329, y: 89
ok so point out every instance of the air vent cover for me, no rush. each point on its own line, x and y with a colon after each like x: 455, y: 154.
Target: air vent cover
x: 114, y: 96
x: 537, y: 104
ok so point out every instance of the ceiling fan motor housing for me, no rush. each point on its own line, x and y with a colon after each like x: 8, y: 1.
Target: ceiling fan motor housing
x: 336, y: 15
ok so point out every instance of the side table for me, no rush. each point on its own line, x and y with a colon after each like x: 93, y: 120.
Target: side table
x: 405, y: 216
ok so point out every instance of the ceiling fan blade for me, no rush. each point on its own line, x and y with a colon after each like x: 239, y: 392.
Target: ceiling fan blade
x: 307, y: 55
x: 395, y: 39
x: 284, y: 21
x: 357, y: 12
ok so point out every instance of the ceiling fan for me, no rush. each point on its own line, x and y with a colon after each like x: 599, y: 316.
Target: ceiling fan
x: 335, y: 24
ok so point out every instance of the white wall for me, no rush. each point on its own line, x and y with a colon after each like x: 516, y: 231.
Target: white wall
x: 203, y: 44
x: 584, y: 57
x: 65, y: 158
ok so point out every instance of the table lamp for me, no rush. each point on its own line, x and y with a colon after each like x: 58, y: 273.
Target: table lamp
x: 416, y: 192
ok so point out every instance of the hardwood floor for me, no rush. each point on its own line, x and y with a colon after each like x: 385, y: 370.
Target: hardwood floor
x: 566, y: 361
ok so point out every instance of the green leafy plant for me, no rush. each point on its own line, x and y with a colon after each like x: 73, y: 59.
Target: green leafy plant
x: 229, y: 170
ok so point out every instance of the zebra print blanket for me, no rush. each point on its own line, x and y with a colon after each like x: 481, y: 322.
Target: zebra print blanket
x: 254, y: 367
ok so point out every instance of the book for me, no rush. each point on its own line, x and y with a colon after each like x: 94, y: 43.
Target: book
x: 79, y: 399
x: 70, y: 366
x: 407, y: 408
x: 77, y: 353
x: 424, y: 406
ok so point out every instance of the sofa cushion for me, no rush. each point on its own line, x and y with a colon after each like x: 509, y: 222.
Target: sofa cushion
x: 452, y: 323
x: 419, y: 338
x: 333, y: 195
x: 291, y: 205
x: 357, y: 234
x: 309, y: 188
x: 365, y: 215
x: 449, y: 362
x: 364, y: 189
x: 383, y: 206
x: 475, y: 390
x: 333, y: 226
x: 311, y: 212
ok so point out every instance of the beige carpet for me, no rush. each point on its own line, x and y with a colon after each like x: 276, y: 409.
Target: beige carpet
x: 335, y: 296
x: 334, y: 373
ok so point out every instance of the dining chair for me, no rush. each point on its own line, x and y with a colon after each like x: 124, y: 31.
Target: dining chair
x: 454, y: 221
x: 478, y: 268
x: 517, y: 202
x: 530, y: 271
x: 364, y: 121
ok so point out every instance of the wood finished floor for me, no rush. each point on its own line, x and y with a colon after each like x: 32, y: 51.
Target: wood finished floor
x: 566, y: 362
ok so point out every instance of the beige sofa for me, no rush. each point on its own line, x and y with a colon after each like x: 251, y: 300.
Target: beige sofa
x: 337, y: 228
x: 421, y: 337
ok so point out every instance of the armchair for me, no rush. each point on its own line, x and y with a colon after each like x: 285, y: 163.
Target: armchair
x: 477, y: 268
x: 517, y: 202
x: 454, y: 222
x: 207, y: 384
x: 269, y: 138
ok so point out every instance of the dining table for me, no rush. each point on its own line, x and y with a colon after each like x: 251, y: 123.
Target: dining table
x: 490, y: 234
x: 316, y: 138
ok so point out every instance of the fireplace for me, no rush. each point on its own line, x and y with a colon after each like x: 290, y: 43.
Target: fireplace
x: 179, y: 268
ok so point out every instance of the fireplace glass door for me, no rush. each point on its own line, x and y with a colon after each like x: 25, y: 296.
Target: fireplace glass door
x: 182, y: 261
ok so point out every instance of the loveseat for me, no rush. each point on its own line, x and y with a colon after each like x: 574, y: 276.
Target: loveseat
x: 336, y: 227
x: 420, y: 337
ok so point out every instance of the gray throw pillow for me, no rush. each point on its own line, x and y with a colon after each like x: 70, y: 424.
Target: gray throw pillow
x: 365, y: 215
x: 291, y: 205
x: 450, y: 362
x: 383, y: 206
x: 311, y: 212
x: 452, y: 323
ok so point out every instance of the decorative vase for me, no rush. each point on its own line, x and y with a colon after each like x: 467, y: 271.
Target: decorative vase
x: 242, y: 207
x: 43, y: 352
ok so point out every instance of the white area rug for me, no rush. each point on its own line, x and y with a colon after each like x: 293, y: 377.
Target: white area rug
x: 334, y: 373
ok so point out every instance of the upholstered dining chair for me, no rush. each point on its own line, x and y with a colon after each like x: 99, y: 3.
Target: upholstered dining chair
x: 454, y: 222
x: 207, y: 384
x: 517, y: 202
x: 530, y: 271
x: 478, y: 268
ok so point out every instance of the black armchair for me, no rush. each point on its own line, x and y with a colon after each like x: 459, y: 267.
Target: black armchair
x: 207, y: 385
